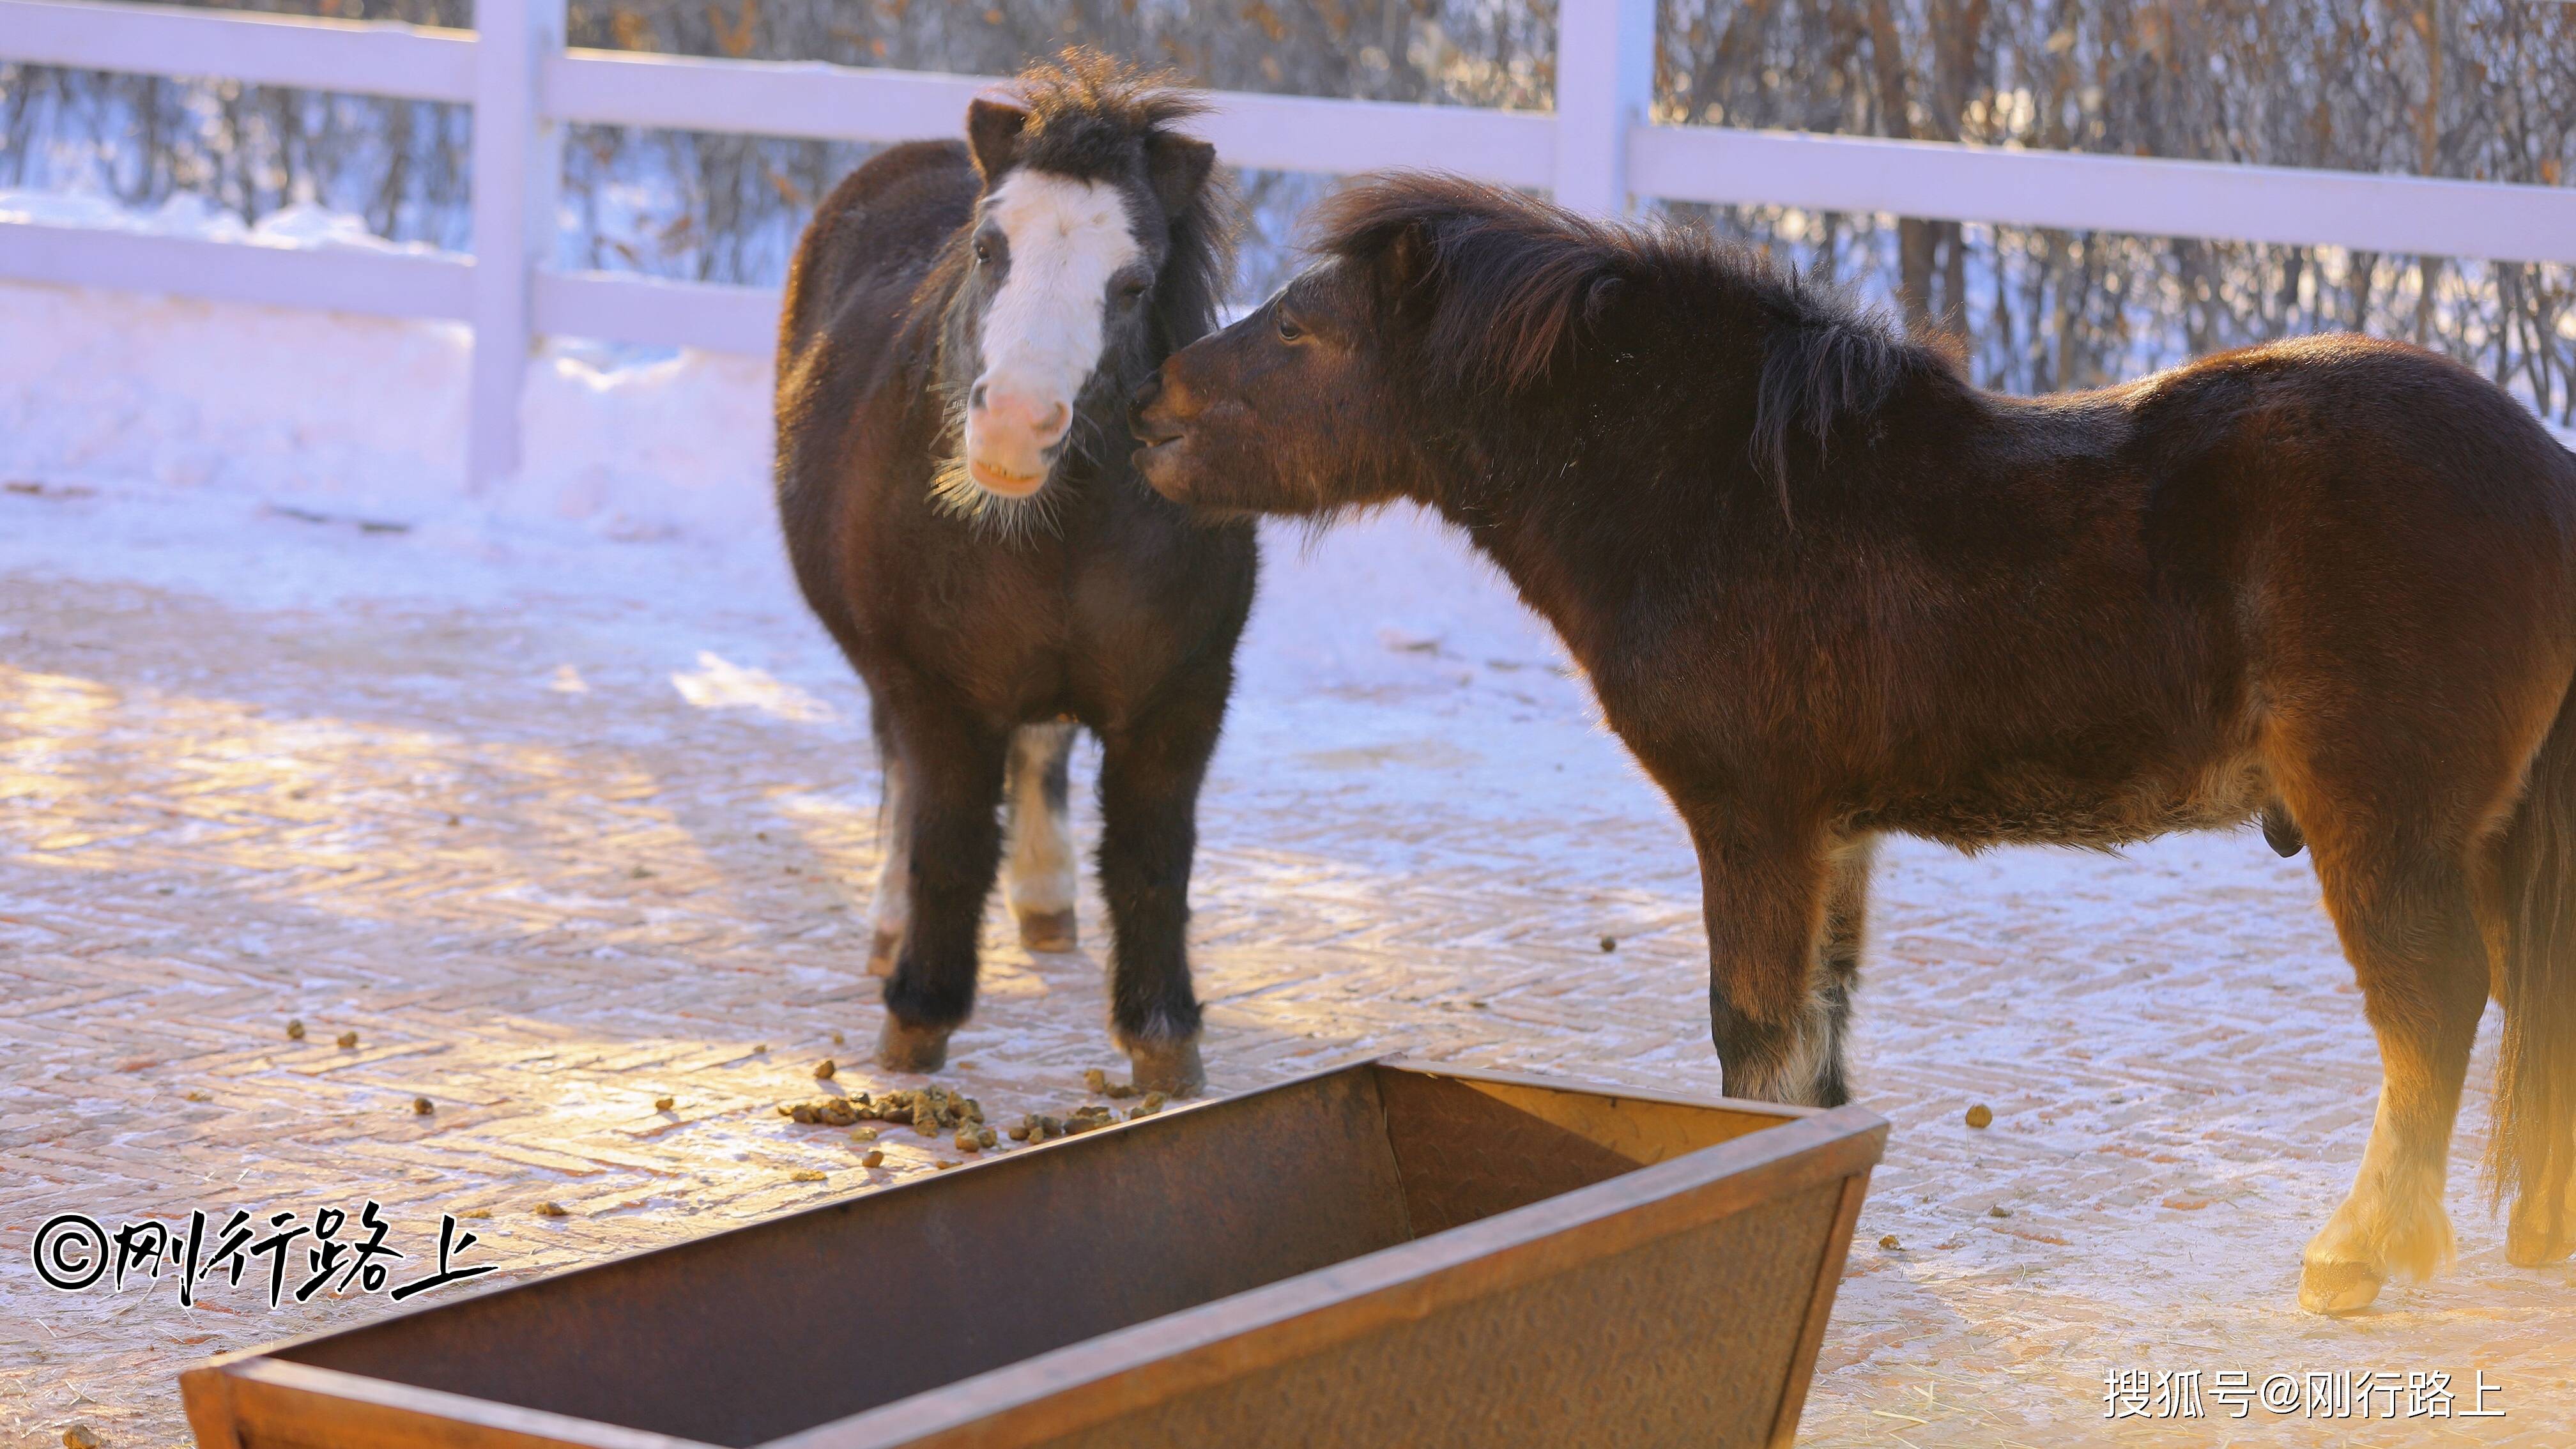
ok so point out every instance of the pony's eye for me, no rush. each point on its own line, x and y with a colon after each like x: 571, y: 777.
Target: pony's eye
x: 1289, y: 331
x: 983, y: 250
x: 1131, y: 289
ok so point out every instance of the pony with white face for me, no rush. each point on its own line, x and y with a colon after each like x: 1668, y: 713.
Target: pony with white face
x: 964, y: 324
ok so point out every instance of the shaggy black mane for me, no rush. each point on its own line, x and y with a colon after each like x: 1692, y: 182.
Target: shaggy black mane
x: 1512, y: 286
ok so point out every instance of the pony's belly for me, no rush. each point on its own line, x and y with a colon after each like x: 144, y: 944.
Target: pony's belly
x: 2039, y: 803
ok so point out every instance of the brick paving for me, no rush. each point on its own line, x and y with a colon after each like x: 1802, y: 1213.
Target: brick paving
x: 556, y: 852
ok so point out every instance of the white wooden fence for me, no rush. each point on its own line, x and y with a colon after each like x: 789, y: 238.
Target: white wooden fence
x: 1596, y: 150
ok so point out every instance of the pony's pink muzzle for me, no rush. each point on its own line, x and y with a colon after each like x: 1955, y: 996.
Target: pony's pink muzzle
x: 1011, y: 439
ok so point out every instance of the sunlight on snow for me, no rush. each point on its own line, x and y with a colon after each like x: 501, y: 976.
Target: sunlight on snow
x: 719, y: 684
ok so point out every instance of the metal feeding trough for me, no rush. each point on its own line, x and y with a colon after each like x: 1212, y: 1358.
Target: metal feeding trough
x: 1386, y: 1254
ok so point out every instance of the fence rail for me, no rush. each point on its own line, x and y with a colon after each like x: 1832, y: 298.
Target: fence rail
x: 1595, y: 150
x: 332, y: 279
x: 372, y: 57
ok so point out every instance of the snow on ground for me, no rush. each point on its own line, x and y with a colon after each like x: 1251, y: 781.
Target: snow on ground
x: 2102, y: 1005
x: 365, y: 417
x: 300, y: 226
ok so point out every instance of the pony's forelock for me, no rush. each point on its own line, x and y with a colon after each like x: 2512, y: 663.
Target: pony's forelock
x: 1089, y: 114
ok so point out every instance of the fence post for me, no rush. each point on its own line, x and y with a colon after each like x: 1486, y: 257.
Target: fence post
x: 1605, y: 84
x: 518, y: 162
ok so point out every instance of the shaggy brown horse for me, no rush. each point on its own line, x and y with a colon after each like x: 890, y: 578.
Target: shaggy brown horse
x: 1826, y: 589
x: 963, y: 326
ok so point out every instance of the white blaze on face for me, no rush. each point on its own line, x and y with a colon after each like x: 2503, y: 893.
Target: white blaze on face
x: 1063, y: 241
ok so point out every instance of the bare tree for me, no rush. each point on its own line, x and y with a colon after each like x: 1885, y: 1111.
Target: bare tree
x: 2481, y: 89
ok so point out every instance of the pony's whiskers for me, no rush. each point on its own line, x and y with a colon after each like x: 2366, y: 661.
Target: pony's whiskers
x: 954, y: 491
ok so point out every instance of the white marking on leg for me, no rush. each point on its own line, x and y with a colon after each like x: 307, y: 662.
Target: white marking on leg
x: 1045, y: 871
x: 892, y: 909
x: 2392, y: 1221
x: 1796, y: 1074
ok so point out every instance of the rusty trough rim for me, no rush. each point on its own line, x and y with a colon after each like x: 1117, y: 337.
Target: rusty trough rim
x: 1094, y: 1381
x: 1097, y: 1379
x: 1608, y: 1091
x: 371, y: 1410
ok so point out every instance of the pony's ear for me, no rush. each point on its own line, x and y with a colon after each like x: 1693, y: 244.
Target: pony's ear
x: 1178, y: 166
x: 1406, y: 262
x: 993, y: 132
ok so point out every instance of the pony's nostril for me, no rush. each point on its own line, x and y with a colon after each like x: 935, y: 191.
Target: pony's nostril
x: 1021, y: 414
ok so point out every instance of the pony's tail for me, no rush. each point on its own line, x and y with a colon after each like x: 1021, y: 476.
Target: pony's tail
x: 2532, y: 1153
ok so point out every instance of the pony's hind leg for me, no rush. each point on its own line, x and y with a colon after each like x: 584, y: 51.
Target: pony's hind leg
x: 893, y: 903
x: 1044, y: 867
x: 2542, y: 1227
x: 2409, y: 926
x: 952, y: 780
x: 2531, y: 921
x: 2535, y: 1235
x: 1150, y: 773
x: 1846, y: 926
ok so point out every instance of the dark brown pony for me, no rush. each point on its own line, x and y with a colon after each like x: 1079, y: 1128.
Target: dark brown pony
x: 1826, y: 589
x: 963, y: 326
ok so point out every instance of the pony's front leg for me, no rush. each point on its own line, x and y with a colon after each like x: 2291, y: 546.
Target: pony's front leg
x: 1149, y: 791
x: 1765, y: 886
x: 951, y: 781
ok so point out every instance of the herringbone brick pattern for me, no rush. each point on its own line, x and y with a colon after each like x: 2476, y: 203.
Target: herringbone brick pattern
x: 546, y: 885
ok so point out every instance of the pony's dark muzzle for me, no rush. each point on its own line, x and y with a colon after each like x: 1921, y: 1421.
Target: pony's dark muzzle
x: 1141, y: 420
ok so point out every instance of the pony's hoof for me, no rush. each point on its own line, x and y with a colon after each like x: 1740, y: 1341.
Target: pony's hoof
x: 881, y: 952
x: 902, y: 1048
x: 1047, y: 931
x: 2526, y: 1245
x: 2336, y: 1287
x: 1171, y: 1068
